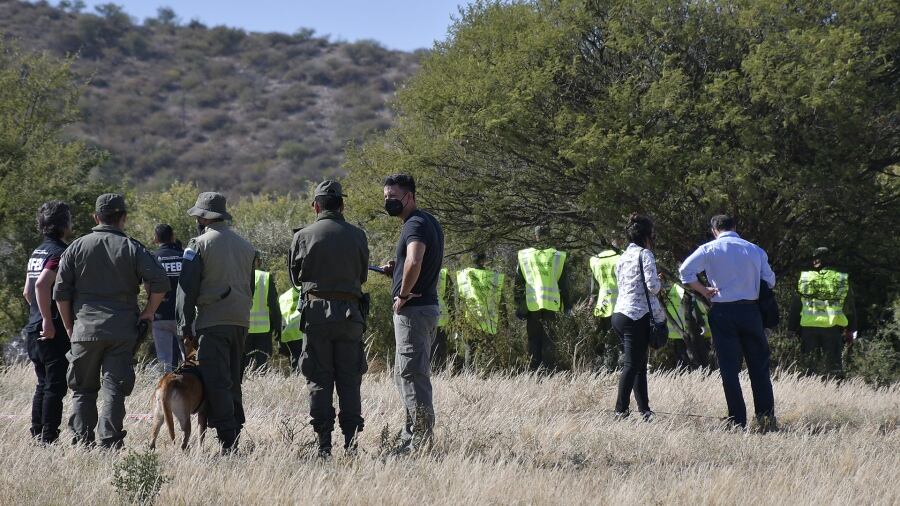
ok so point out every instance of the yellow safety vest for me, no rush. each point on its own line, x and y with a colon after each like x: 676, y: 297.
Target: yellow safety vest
x: 822, y: 294
x: 675, y: 309
x: 603, y: 267
x: 290, y: 316
x: 480, y: 292
x: 542, y: 270
x: 441, y: 293
x: 259, y: 312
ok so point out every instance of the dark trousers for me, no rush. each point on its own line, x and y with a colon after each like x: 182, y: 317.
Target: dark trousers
x: 607, y: 348
x: 257, y: 350
x: 541, y: 341
x: 333, y: 357
x: 633, y: 335
x: 827, y: 341
x: 439, y: 349
x: 295, y: 351
x: 50, y: 366
x: 220, y: 358
x: 738, y: 332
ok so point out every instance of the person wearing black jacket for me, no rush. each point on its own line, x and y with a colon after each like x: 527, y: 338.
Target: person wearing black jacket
x: 169, y: 348
x: 46, y: 336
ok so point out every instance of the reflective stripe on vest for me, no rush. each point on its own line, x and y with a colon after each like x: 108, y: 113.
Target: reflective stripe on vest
x: 480, y: 292
x: 603, y: 267
x: 441, y: 293
x: 542, y: 270
x: 290, y: 316
x: 259, y: 312
x: 675, y: 309
x: 822, y: 295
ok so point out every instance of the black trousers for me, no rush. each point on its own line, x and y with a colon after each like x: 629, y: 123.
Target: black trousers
x: 827, y: 341
x: 541, y: 341
x: 439, y: 349
x: 257, y: 350
x: 633, y: 335
x: 738, y: 333
x: 50, y: 366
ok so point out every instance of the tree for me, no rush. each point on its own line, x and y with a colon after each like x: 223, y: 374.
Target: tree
x: 577, y: 113
x: 38, y: 97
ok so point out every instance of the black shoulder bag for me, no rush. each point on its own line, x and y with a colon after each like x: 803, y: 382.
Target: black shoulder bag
x: 659, y: 331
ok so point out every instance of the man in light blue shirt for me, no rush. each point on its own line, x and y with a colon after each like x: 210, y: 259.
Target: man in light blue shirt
x: 734, y: 268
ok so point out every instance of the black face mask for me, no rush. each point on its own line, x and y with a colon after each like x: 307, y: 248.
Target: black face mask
x: 394, y: 207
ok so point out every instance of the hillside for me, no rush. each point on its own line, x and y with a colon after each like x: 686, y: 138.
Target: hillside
x: 511, y: 439
x: 228, y: 109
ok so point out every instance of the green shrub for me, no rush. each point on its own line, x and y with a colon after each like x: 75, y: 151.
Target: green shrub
x: 138, y: 477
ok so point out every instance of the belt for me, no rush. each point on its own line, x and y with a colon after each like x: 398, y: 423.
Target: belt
x: 332, y: 296
x: 735, y: 302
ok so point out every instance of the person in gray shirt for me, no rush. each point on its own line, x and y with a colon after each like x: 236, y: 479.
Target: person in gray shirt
x: 96, y: 291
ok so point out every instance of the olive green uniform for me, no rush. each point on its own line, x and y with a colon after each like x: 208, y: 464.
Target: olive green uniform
x: 101, y: 273
x: 215, y: 292
x: 329, y: 261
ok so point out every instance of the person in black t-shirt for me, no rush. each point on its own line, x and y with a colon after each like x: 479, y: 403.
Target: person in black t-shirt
x: 415, y: 272
x: 169, y: 347
x: 46, y: 335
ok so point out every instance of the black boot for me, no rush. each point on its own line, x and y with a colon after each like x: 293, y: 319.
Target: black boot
x: 324, y: 444
x: 85, y: 440
x: 114, y: 443
x: 351, y: 443
x: 48, y: 436
x: 229, y: 439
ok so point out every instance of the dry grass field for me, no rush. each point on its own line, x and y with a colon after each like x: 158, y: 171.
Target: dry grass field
x: 499, y: 440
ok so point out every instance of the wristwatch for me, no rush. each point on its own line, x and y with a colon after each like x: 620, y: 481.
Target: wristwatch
x: 404, y: 297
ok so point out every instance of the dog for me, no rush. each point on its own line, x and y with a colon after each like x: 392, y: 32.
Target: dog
x: 179, y: 394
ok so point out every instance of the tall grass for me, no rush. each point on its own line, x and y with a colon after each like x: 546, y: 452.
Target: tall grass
x: 500, y: 438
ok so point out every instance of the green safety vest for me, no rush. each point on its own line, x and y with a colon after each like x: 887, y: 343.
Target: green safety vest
x: 480, y: 291
x: 822, y: 294
x: 441, y: 293
x: 675, y: 309
x: 259, y: 312
x: 603, y: 267
x: 290, y: 316
x: 542, y: 269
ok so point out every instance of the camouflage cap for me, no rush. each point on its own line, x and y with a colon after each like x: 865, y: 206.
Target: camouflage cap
x: 110, y: 203
x: 329, y: 188
x: 211, y: 206
x: 821, y: 253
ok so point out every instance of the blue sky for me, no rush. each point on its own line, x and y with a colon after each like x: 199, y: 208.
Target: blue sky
x: 398, y: 24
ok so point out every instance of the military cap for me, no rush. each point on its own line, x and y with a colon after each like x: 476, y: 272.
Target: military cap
x: 110, y: 203
x: 210, y: 206
x: 329, y: 188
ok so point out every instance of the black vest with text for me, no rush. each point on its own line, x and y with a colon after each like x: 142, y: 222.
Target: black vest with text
x: 50, y: 249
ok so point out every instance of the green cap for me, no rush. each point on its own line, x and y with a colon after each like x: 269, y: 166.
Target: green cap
x: 211, y: 206
x: 110, y: 203
x: 329, y: 188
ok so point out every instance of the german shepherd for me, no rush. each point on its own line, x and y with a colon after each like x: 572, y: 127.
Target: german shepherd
x: 178, y: 395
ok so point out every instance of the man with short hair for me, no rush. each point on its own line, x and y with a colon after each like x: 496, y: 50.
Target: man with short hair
x: 420, y: 251
x: 45, y: 334
x: 165, y: 328
x: 734, y: 268
x: 215, y: 292
x: 96, y: 291
x: 823, y: 312
x: 329, y: 262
